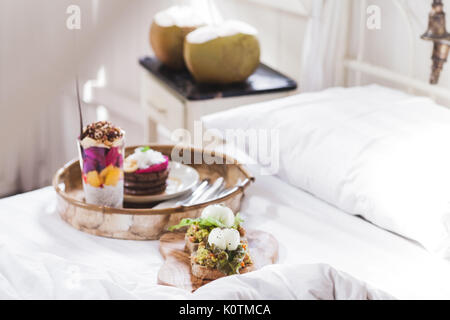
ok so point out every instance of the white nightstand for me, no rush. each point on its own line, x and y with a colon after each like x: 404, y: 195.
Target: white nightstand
x: 170, y: 107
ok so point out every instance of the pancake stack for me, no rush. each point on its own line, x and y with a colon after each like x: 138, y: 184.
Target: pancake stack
x: 146, y: 172
x: 139, y: 184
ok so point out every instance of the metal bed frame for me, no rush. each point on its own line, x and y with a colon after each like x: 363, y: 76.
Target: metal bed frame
x: 406, y: 80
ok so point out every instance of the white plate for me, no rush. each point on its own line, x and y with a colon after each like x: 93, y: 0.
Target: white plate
x: 181, y: 180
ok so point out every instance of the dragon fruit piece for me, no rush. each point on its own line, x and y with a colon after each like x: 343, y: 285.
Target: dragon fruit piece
x: 119, y: 163
x: 111, y: 156
x: 96, y: 154
x: 156, y: 167
x: 89, y: 164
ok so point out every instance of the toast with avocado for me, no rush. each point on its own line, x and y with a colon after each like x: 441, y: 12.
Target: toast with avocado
x: 223, y: 254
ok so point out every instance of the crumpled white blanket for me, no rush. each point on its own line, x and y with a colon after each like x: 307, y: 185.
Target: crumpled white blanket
x: 45, y: 276
x: 298, y: 281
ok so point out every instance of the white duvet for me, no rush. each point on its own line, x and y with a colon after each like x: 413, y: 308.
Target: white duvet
x: 47, y: 259
x: 41, y: 256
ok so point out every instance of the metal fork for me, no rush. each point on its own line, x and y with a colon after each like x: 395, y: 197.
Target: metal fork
x: 198, y: 190
x: 208, y: 193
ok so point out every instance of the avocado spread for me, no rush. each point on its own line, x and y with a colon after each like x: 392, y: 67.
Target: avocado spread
x: 228, y: 262
x: 197, y: 234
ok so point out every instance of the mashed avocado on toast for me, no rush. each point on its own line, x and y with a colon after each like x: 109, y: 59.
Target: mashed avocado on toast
x: 226, y: 261
x: 196, y: 234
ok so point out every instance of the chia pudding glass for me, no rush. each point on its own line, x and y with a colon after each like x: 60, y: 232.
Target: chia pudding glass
x: 101, y: 151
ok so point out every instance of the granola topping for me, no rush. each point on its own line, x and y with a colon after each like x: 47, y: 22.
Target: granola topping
x: 101, y: 133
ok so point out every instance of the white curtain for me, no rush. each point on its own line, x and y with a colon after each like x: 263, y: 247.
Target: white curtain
x: 324, y: 45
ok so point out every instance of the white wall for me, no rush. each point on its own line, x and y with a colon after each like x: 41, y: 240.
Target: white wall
x: 38, y: 63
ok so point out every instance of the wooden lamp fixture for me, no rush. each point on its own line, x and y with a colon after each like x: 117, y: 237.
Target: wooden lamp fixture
x: 441, y: 39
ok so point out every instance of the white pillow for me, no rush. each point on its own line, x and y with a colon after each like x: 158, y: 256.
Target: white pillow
x: 370, y: 151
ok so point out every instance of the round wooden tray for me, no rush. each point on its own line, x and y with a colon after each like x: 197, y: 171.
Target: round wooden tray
x: 143, y: 224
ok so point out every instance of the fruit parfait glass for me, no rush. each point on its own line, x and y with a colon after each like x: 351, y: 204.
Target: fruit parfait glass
x: 101, y: 150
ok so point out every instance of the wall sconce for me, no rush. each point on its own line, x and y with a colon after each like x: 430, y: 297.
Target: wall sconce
x: 441, y: 39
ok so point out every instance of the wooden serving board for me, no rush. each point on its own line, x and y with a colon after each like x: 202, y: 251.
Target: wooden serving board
x: 176, y: 270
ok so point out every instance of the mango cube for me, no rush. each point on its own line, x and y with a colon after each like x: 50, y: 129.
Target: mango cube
x: 113, y: 176
x: 93, y: 179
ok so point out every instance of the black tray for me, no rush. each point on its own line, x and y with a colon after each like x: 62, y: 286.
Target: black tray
x: 263, y: 80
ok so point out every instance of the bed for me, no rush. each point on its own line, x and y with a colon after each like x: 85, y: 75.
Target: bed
x: 325, y: 252
x: 42, y: 257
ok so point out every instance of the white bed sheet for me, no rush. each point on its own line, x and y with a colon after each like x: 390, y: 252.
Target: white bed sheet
x: 312, y: 231
x: 39, y: 250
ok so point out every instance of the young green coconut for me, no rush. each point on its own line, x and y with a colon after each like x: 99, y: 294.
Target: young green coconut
x: 167, y: 33
x: 224, y: 53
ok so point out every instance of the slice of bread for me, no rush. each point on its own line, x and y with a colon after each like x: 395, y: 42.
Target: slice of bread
x: 190, y: 246
x: 206, y: 273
